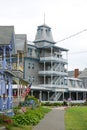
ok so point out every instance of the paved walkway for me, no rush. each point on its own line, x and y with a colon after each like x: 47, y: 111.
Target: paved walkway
x: 54, y: 120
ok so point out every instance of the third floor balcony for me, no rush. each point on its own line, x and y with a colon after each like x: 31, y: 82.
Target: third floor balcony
x: 51, y: 72
x: 54, y: 59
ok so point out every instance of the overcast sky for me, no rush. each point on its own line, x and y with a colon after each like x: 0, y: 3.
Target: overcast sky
x: 65, y: 17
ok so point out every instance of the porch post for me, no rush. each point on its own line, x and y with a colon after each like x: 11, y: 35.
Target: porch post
x: 48, y: 95
x: 31, y: 92
x: 70, y: 95
x: 63, y: 96
x: 10, y: 103
x: 4, y: 58
x: 44, y: 75
x: 76, y: 95
x: 40, y: 96
x: 17, y: 60
x: 84, y: 95
x: 22, y: 59
x: 18, y: 91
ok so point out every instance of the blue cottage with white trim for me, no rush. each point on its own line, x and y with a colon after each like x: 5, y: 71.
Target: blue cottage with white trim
x: 6, y: 75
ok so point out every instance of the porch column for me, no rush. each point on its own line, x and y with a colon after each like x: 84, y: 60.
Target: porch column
x: 10, y: 52
x: 17, y: 60
x: 18, y: 91
x: 44, y: 75
x: 55, y: 96
x: 63, y: 96
x: 4, y: 58
x: 84, y: 95
x: 31, y: 92
x: 10, y: 98
x: 76, y: 95
x: 51, y: 65
x: 22, y: 58
x: 48, y: 95
x: 40, y: 96
x: 70, y: 95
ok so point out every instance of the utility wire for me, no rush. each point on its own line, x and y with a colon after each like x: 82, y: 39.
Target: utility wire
x: 77, y: 52
x: 72, y: 36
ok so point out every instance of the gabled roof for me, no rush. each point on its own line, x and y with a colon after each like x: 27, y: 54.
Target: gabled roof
x: 20, y: 42
x: 6, y: 34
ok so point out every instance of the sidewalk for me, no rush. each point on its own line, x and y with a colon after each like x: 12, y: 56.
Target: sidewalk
x: 54, y: 120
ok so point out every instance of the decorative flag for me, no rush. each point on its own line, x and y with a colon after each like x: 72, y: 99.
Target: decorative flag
x: 27, y: 90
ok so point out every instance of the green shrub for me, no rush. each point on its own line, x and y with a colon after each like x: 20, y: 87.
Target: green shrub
x: 85, y: 103
x: 65, y: 103
x: 51, y: 104
x: 31, y: 117
x: 30, y: 101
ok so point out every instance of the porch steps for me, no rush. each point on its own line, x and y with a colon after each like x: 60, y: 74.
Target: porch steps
x: 56, y: 96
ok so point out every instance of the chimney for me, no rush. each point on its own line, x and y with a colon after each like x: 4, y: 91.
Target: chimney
x: 76, y: 73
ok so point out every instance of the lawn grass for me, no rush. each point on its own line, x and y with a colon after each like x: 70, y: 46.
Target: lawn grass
x: 76, y: 118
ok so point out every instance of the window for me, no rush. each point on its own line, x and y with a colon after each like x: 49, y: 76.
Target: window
x: 32, y: 66
x: 29, y: 78
x: 65, y: 81
x: 33, y: 79
x: 30, y: 51
x: 29, y: 65
x: 37, y: 53
x: 80, y: 84
x: 73, y: 83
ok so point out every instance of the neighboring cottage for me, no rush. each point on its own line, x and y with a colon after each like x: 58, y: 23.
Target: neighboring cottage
x: 8, y: 57
x: 6, y: 75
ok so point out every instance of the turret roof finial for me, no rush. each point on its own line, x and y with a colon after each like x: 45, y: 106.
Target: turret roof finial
x: 44, y: 18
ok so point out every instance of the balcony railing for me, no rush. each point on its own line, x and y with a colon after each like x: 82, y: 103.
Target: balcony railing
x: 53, y: 58
x: 8, y: 66
x: 53, y: 86
x: 50, y: 72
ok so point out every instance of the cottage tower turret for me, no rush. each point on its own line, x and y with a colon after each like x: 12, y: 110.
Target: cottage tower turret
x: 43, y: 36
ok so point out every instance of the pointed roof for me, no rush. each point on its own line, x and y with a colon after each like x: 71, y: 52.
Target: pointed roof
x: 6, y: 34
x: 44, y: 34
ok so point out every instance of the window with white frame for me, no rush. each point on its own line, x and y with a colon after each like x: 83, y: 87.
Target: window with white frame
x: 32, y: 66
x: 29, y: 65
x: 73, y: 83
x: 29, y: 78
x: 33, y: 79
x: 29, y: 51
